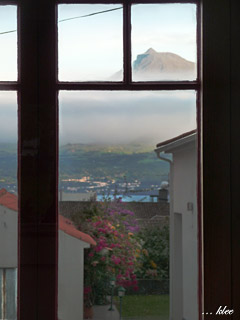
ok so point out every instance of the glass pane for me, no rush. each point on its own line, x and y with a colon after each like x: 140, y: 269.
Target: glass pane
x: 8, y: 43
x: 11, y: 294
x: 115, y: 215
x: 164, y: 42
x: 8, y: 203
x: 90, y: 43
x: 1, y: 292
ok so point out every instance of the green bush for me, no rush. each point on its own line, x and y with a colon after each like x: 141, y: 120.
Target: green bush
x: 154, y: 255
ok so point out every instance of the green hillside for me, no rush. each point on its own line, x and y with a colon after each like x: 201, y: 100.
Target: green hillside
x: 106, y: 148
x: 134, y: 161
x: 100, y: 162
x: 8, y: 164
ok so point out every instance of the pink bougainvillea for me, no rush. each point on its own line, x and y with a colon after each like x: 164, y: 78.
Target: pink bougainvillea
x: 116, y: 253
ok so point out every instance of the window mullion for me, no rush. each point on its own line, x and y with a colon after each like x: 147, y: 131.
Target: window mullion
x: 11, y: 86
x: 37, y: 161
x: 178, y: 85
x: 127, y: 43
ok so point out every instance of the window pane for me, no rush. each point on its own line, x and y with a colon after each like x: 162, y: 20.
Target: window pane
x: 164, y: 42
x: 115, y: 215
x: 8, y: 296
x: 90, y: 42
x: 1, y: 291
x: 11, y: 293
x: 8, y: 204
x: 8, y: 43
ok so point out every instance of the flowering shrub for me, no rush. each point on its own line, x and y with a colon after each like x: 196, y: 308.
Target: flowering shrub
x: 154, y: 255
x: 87, y: 296
x: 116, y: 254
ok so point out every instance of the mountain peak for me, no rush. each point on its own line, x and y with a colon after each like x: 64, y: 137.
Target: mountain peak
x: 150, y: 51
x: 162, y: 65
x: 154, y: 65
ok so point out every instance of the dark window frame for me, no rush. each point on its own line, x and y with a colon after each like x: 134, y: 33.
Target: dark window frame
x: 38, y: 161
x: 128, y: 84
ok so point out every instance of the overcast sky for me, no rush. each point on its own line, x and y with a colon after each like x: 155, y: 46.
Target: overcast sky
x: 8, y: 116
x: 91, y: 48
x: 122, y: 117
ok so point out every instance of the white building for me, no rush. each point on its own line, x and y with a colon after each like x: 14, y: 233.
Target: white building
x: 8, y: 255
x: 183, y: 224
x: 72, y: 243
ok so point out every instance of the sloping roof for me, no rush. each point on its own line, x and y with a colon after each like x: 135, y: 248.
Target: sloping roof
x: 10, y: 201
x: 68, y: 227
x: 181, y: 136
x: 175, y: 143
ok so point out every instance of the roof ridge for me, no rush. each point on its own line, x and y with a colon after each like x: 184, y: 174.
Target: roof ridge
x: 183, y: 135
x: 67, y: 226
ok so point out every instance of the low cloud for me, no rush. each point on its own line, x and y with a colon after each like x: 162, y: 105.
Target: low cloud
x: 121, y: 117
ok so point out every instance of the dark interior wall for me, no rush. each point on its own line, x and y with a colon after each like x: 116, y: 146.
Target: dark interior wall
x: 235, y: 155
x: 221, y: 157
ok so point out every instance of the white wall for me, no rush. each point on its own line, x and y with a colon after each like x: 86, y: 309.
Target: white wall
x: 176, y: 290
x: 70, y: 277
x: 8, y: 238
x: 184, y: 176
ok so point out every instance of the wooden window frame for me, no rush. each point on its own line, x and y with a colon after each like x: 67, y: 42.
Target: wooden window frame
x: 218, y: 121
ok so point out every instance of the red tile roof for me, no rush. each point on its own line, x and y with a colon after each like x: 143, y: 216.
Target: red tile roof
x: 186, y: 134
x: 10, y: 201
x: 68, y: 227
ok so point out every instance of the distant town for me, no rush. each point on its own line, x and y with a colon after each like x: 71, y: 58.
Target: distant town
x: 132, y: 172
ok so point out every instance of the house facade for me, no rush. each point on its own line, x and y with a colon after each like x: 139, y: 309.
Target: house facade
x: 183, y: 224
x: 72, y: 243
x: 8, y: 255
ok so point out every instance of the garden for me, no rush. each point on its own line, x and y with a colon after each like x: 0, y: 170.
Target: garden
x: 126, y: 256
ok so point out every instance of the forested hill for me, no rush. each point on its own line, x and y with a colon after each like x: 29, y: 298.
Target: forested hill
x: 135, y: 161
x: 132, y: 161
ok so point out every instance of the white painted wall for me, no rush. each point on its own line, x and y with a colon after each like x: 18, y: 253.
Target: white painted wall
x: 70, y: 277
x: 8, y: 237
x: 176, y: 289
x: 184, y: 191
x: 71, y: 259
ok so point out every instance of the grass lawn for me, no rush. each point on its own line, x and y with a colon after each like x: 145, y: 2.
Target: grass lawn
x: 145, y: 306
